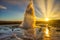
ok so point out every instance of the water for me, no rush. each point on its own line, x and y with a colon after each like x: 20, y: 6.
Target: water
x: 43, y: 34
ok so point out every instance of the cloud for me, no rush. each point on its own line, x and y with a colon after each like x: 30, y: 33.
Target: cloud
x: 2, y: 7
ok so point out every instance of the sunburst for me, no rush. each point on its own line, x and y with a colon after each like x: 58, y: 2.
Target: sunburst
x: 48, y: 8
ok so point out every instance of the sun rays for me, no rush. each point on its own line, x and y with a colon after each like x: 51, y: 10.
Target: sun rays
x: 48, y: 8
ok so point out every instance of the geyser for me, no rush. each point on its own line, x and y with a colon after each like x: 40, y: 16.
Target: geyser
x: 29, y: 17
x: 29, y: 21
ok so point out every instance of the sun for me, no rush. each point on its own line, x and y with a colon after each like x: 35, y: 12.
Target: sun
x: 46, y: 19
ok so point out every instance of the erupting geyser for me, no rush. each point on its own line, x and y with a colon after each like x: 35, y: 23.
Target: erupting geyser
x: 29, y: 20
x: 29, y: 17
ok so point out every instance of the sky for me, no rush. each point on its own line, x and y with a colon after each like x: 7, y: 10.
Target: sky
x: 13, y: 10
